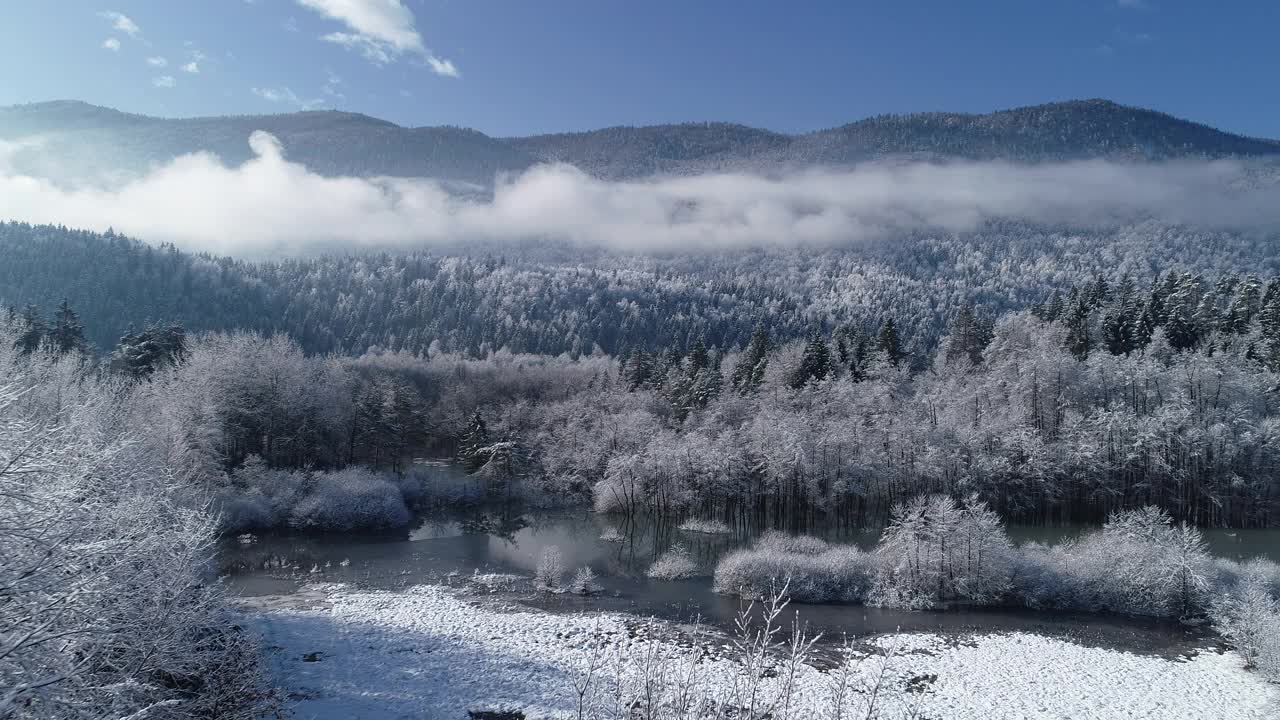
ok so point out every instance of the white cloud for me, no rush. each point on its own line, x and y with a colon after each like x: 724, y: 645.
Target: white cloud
x: 111, y: 44
x: 442, y: 67
x: 192, y: 67
x: 287, y: 96
x: 385, y: 21
x: 381, y: 30
x: 120, y: 22
x: 157, y: 62
x: 270, y: 205
x: 164, y: 81
x: 373, y: 49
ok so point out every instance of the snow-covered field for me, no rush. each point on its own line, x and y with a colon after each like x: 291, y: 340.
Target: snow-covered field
x: 437, y: 652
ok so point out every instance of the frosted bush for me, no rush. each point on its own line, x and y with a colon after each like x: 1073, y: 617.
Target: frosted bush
x: 674, y: 564
x: 707, y: 527
x: 612, y: 534
x: 1140, y: 563
x: 550, y: 569
x: 791, y: 544
x: 1248, y: 616
x: 837, y: 574
x: 351, y: 499
x: 238, y: 512
x: 584, y: 581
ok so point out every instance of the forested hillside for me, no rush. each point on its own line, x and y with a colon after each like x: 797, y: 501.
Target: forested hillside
x: 77, y: 143
x: 553, y: 299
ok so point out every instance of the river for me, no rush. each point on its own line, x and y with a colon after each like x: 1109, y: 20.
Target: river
x: 450, y: 546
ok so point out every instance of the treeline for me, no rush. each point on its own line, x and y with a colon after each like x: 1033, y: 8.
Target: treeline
x: 1105, y: 396
x: 552, y: 300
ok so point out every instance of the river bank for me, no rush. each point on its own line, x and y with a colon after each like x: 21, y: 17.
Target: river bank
x: 440, y: 652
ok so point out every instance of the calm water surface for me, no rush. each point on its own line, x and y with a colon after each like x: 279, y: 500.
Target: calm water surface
x: 447, y: 546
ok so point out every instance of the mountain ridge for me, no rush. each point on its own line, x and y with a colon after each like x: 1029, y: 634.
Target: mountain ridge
x: 83, y: 141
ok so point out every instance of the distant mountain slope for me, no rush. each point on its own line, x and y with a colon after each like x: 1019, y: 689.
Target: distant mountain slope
x: 625, y: 152
x: 82, y: 142
x: 1056, y: 131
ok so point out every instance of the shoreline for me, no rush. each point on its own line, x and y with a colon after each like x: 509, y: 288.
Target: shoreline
x: 433, y: 651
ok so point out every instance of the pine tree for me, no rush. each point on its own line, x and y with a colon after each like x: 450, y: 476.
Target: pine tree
x: 1053, y: 310
x: 1180, y: 312
x: 67, y: 334
x: 1079, y: 343
x: 698, y: 358
x: 474, y: 442
x: 815, y: 362
x: 969, y: 337
x: 138, y: 355
x: 748, y: 374
x: 33, y: 330
x: 889, y: 343
x: 640, y: 370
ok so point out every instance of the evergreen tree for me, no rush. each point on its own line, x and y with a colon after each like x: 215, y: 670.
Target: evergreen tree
x: 749, y: 372
x: 1053, y: 310
x: 969, y: 336
x: 67, y: 334
x: 1181, y: 303
x: 33, y: 332
x: 1079, y: 343
x: 698, y: 358
x: 640, y: 370
x: 138, y: 355
x: 889, y: 343
x: 474, y: 442
x: 815, y: 362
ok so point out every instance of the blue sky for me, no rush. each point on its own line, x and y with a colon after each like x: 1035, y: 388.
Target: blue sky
x: 529, y: 66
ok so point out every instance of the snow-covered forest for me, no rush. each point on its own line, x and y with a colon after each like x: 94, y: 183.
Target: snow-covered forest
x: 551, y: 299
x: 1140, y: 402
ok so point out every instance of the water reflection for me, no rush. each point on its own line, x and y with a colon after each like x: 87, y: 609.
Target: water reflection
x: 502, y: 538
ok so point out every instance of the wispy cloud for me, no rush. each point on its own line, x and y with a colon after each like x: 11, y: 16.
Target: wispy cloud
x: 442, y: 67
x: 164, y: 81
x: 192, y: 67
x: 111, y: 44
x: 286, y: 96
x: 381, y: 30
x: 157, y: 62
x: 332, y: 85
x: 270, y: 205
x: 120, y: 22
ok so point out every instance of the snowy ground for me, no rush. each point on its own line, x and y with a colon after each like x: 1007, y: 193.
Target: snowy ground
x: 436, y: 652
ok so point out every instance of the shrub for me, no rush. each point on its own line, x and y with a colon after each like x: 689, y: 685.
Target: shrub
x: 350, y: 499
x: 674, y: 564
x: 707, y: 527
x: 837, y: 574
x: 584, y: 582
x: 550, y: 568
x: 612, y: 534
x: 1249, y: 618
x: 792, y: 544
